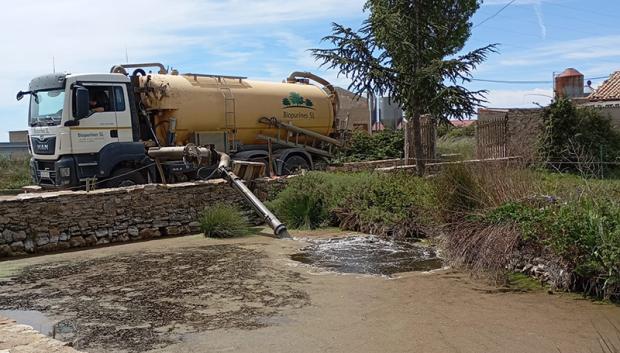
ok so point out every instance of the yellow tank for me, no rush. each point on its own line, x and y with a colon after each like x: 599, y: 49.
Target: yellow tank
x: 202, y: 103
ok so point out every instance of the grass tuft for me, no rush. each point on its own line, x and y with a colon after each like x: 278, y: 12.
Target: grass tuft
x: 223, y: 221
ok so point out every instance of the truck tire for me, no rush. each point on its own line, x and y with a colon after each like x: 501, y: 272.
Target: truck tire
x: 125, y: 177
x: 294, y: 164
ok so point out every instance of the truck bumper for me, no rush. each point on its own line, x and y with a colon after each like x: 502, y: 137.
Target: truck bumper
x: 60, y: 173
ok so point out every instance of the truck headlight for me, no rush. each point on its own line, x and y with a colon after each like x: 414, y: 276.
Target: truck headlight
x: 65, y: 172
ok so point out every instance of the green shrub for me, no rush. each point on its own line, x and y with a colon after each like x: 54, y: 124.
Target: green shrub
x: 308, y: 200
x: 223, y: 221
x: 576, y: 139
x: 397, y: 205
x: 584, y: 233
x: 377, y: 203
x: 386, y: 144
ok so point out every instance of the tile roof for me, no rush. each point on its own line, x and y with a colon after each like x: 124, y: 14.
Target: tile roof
x: 609, y: 90
x: 462, y: 123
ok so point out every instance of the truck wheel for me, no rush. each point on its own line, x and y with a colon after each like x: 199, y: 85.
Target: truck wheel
x: 125, y: 177
x: 294, y: 164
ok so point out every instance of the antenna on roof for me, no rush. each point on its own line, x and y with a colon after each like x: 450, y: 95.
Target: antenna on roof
x: 53, y: 64
x: 126, y: 56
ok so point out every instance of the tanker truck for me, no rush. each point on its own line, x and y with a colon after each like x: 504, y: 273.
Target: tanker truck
x: 102, y: 127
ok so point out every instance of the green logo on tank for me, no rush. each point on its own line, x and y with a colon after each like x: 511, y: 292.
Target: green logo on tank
x: 295, y: 100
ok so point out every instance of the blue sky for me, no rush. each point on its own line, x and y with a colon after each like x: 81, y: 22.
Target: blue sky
x: 267, y: 39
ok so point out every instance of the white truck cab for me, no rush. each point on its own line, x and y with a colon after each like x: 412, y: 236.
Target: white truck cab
x: 77, y: 124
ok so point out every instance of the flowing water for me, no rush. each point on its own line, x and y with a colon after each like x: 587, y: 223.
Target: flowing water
x: 368, y: 255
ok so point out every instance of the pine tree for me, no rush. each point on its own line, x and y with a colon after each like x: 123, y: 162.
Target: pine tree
x: 410, y: 50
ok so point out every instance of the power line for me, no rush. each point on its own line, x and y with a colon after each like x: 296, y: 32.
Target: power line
x: 495, y: 14
x: 525, y: 82
x: 510, y: 82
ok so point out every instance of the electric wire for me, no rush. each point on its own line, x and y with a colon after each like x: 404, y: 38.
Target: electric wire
x: 494, y: 15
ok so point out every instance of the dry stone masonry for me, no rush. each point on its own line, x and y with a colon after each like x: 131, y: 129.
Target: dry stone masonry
x: 35, y: 223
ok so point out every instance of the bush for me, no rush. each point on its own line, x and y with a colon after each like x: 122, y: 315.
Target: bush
x: 223, y: 221
x: 584, y: 233
x: 396, y: 205
x: 381, y: 204
x: 576, y: 139
x: 307, y: 200
x: 386, y: 144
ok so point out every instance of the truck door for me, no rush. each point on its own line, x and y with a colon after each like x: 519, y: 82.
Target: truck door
x: 100, y: 127
x: 123, y: 113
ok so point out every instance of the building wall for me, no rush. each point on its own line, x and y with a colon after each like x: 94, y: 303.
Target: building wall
x: 20, y: 136
x: 355, y: 108
x: 611, y: 109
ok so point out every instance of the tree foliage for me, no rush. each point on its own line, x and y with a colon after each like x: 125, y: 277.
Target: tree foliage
x: 410, y: 50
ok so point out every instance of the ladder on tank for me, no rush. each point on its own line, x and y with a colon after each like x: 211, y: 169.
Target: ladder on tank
x: 296, y: 137
x: 230, y: 117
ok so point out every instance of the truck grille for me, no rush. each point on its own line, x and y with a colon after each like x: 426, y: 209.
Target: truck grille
x: 46, y: 174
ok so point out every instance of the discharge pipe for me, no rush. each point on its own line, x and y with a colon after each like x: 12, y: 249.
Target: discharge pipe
x: 279, y: 229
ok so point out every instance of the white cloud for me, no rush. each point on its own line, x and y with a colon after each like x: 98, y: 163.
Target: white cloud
x: 541, y: 21
x: 599, y: 48
x: 518, y: 98
x: 87, y: 36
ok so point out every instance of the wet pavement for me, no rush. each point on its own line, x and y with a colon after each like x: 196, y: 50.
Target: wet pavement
x: 368, y: 255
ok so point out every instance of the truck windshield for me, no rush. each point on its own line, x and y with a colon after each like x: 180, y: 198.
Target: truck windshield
x: 46, y: 107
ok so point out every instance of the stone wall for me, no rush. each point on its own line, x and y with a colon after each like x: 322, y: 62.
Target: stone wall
x: 525, y: 127
x: 34, y: 223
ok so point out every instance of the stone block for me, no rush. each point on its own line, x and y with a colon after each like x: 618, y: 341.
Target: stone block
x: 5, y: 250
x: 100, y: 233
x: 133, y: 231
x: 17, y: 246
x: 29, y: 245
x: 90, y: 240
x: 77, y: 241
x: 42, y: 240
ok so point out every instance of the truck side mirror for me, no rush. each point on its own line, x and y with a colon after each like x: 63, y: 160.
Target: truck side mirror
x: 82, y: 106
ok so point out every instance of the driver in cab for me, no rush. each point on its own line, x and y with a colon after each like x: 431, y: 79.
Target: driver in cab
x: 97, y: 102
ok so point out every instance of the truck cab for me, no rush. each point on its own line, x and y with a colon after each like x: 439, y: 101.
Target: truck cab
x: 81, y: 127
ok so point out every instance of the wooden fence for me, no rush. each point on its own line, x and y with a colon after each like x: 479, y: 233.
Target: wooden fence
x: 429, y: 140
x: 492, y: 137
